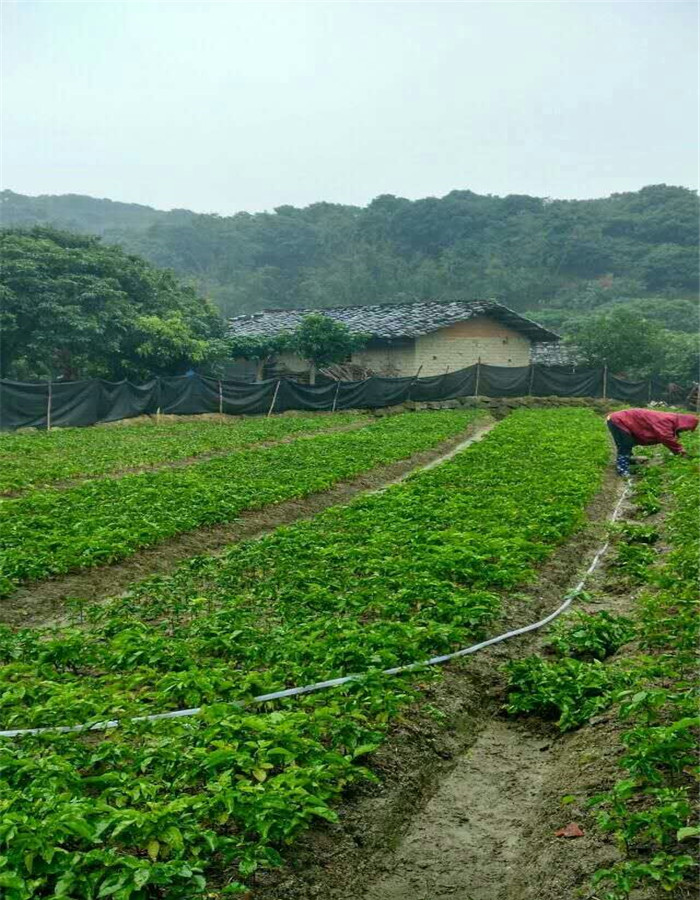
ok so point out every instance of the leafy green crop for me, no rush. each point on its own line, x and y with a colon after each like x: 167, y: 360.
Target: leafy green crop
x: 568, y: 690
x: 33, y: 460
x: 591, y: 636
x: 49, y: 532
x: 150, y: 808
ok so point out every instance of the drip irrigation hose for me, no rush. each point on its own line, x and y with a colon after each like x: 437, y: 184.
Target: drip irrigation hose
x: 336, y: 682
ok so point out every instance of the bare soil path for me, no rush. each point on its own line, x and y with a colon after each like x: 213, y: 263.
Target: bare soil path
x: 468, y: 841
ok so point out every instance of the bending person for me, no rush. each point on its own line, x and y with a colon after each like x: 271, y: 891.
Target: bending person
x: 647, y: 426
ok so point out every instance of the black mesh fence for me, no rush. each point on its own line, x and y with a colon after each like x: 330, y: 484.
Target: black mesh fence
x: 62, y: 404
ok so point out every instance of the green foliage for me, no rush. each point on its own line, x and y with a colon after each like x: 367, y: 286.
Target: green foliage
x: 391, y: 578
x: 48, y: 532
x: 633, y: 345
x: 74, y: 307
x: 649, y: 811
x: 591, y: 636
x: 260, y: 349
x: 323, y: 341
x: 527, y: 251
x: 619, y: 338
x: 33, y: 460
x: 568, y: 690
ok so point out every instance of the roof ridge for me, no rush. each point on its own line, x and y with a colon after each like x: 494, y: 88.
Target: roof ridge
x: 388, y: 305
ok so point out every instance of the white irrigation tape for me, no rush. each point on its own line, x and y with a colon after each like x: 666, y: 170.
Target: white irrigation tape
x: 335, y: 682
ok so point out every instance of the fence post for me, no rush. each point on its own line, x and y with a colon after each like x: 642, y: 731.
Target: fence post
x: 650, y: 392
x: 478, y: 373
x: 274, y: 397
x: 48, y: 406
x: 159, y: 392
x: 532, y: 378
x: 415, y: 379
x: 605, y: 381
x: 221, y: 403
x: 335, y: 398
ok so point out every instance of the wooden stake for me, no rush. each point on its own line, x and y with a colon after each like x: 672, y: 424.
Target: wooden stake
x: 274, y: 398
x: 605, y: 381
x: 48, y: 407
x: 415, y: 379
x: 160, y: 399
x: 532, y: 378
x: 335, y: 399
x: 221, y: 404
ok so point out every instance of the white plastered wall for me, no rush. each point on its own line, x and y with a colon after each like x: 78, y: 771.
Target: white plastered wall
x: 460, y: 345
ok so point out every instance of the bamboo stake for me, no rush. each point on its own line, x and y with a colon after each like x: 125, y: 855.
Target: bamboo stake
x: 221, y: 404
x: 335, y: 399
x: 532, y: 378
x: 478, y: 374
x: 160, y: 400
x: 274, y: 398
x: 48, y: 407
x: 415, y: 379
x: 605, y: 381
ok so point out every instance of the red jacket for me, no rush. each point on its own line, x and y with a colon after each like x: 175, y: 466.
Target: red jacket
x: 650, y: 427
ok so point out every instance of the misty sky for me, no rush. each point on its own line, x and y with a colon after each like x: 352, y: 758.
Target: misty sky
x: 224, y: 106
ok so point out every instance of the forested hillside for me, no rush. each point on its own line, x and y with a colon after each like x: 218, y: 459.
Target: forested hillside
x: 554, y: 257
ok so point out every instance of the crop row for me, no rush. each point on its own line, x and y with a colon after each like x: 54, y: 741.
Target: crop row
x: 33, y: 460
x: 50, y: 531
x: 649, y: 810
x: 391, y: 578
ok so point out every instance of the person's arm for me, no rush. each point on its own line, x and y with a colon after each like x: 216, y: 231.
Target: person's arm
x: 670, y: 440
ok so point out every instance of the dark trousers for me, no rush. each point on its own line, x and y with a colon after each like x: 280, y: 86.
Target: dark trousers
x: 624, y: 443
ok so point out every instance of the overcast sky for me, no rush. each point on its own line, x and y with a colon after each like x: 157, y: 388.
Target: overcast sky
x: 224, y: 106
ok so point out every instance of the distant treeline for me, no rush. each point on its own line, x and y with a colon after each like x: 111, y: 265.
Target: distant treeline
x: 556, y: 258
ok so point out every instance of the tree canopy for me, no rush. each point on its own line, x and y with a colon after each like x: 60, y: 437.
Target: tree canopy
x: 559, y: 261
x: 74, y: 307
x: 633, y: 346
x: 528, y: 252
x: 322, y: 341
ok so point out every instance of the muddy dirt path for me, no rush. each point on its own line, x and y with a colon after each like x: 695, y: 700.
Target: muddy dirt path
x: 467, y: 843
x: 45, y: 602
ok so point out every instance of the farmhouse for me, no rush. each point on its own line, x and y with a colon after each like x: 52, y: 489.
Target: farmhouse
x: 429, y: 335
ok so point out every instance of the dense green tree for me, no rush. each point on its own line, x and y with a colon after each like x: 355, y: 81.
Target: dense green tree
x: 74, y: 307
x: 322, y: 341
x: 621, y: 339
x: 561, y: 260
x: 260, y: 349
x: 527, y: 251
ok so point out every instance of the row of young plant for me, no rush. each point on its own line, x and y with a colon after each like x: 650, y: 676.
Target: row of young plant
x: 50, y: 532
x: 652, y: 809
x: 187, y: 807
x: 33, y: 460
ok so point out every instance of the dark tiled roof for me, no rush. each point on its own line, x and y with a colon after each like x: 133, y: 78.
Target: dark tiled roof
x: 391, y: 320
